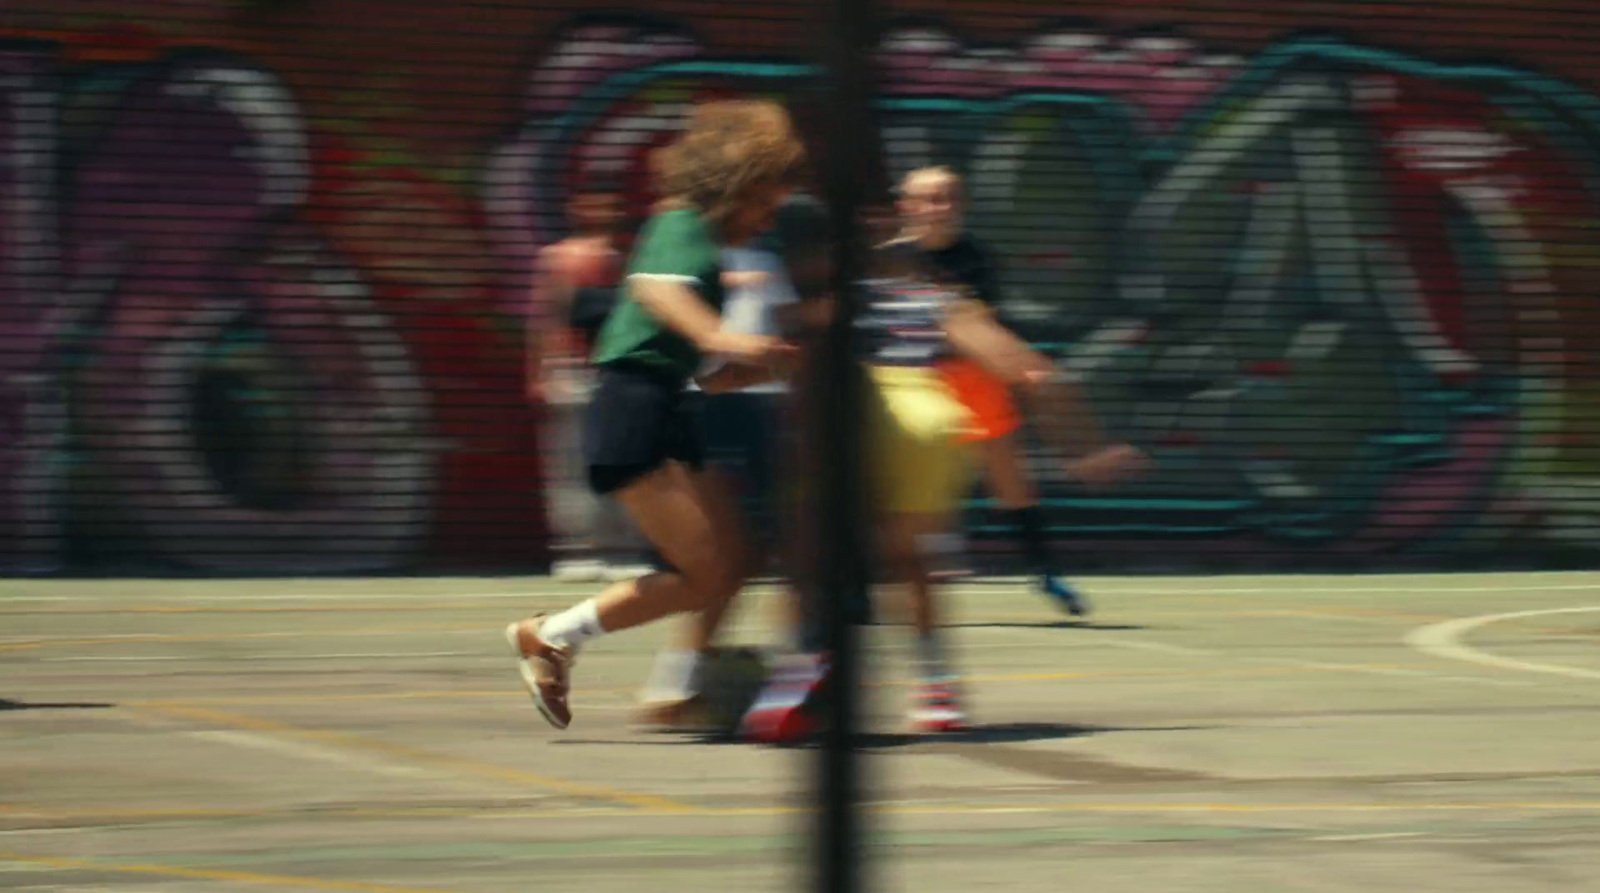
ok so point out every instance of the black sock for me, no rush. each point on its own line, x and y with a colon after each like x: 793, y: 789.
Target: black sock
x: 1030, y: 529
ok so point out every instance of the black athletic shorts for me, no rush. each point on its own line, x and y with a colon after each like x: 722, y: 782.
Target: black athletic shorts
x: 638, y: 420
x: 742, y: 433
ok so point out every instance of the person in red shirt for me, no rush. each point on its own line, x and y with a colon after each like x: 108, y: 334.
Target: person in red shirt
x: 574, y: 289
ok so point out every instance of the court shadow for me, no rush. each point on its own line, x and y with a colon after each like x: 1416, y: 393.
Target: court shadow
x: 998, y: 733
x: 8, y: 704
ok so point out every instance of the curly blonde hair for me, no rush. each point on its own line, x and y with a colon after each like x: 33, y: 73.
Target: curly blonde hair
x: 730, y: 149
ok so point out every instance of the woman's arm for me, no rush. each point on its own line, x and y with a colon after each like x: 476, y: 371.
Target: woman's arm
x: 976, y: 335
x: 544, y: 343
x: 675, y: 305
x: 679, y: 308
x: 1058, y: 404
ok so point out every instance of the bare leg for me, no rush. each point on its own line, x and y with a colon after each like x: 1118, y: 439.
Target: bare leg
x: 1008, y: 479
x: 732, y: 554
x: 906, y: 538
x: 1002, y: 465
x: 936, y: 704
x: 670, y: 507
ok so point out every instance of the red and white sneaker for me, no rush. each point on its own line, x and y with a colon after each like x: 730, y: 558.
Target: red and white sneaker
x: 785, y: 711
x: 936, y: 707
x: 546, y: 670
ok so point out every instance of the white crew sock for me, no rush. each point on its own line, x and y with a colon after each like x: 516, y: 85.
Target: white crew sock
x: 574, y: 626
x: 676, y: 676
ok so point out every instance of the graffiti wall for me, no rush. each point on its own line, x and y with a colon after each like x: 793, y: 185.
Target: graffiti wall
x: 1345, y: 295
x: 235, y: 344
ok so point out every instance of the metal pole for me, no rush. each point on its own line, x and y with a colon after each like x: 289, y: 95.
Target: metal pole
x: 850, y: 146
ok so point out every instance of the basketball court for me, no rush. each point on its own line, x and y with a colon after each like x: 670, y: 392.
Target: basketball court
x: 1204, y: 734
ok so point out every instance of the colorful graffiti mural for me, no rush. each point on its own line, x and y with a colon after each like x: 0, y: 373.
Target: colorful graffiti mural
x: 238, y: 345
x: 1347, y: 296
x: 1341, y: 292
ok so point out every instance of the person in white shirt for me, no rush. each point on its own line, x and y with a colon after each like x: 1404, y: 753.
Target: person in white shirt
x: 743, y: 429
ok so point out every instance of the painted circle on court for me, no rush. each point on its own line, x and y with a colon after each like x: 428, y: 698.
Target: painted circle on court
x: 1444, y: 640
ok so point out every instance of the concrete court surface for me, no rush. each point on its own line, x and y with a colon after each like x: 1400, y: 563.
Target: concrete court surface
x: 1247, y: 735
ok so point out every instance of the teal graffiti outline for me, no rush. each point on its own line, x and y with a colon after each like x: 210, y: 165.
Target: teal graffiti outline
x: 1557, y: 106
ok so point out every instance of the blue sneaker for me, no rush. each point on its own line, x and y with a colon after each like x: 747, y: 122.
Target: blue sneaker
x: 1064, y: 595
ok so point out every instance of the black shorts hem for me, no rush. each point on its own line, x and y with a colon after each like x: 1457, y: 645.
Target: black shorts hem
x: 605, y: 480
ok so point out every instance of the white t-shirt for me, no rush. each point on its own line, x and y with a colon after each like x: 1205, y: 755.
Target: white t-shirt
x: 753, y: 309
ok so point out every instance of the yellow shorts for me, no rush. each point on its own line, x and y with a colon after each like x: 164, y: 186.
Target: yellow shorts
x: 919, y: 460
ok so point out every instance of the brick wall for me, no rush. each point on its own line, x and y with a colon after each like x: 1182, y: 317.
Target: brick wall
x: 261, y: 264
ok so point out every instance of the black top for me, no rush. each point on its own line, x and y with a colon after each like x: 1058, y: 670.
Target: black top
x: 590, y: 307
x: 967, y: 262
x: 801, y: 236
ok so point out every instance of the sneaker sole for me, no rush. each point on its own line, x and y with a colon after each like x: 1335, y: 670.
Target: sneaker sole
x: 793, y: 722
x: 530, y: 681
x: 939, y: 726
x: 780, y: 726
x: 1073, y: 603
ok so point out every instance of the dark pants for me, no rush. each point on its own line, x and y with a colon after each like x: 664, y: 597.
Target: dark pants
x: 743, y: 438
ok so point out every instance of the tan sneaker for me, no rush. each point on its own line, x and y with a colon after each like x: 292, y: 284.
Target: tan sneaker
x: 546, y: 670
x: 691, y: 714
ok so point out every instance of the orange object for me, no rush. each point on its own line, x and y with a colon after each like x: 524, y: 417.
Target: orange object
x: 994, y: 411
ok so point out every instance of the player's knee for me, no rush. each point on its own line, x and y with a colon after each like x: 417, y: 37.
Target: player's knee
x: 705, y: 576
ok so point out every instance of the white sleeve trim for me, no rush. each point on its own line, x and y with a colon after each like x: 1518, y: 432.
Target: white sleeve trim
x: 666, y: 277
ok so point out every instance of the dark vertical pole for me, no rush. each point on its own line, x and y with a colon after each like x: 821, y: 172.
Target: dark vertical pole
x: 851, y: 145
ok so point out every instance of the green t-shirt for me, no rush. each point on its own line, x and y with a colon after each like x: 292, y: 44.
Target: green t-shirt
x: 675, y: 245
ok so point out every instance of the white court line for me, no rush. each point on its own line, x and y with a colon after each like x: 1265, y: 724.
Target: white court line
x: 312, y: 751
x: 154, y: 638
x: 443, y: 598
x: 1393, y: 835
x: 542, y: 588
x: 384, y: 655
x: 1444, y: 640
x: 1158, y: 647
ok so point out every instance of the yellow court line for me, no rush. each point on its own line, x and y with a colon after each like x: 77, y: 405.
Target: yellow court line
x: 211, y: 874
x: 422, y: 757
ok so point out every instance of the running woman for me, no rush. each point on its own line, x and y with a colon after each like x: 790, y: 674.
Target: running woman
x: 726, y: 176
x: 919, y: 458
x: 932, y: 206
